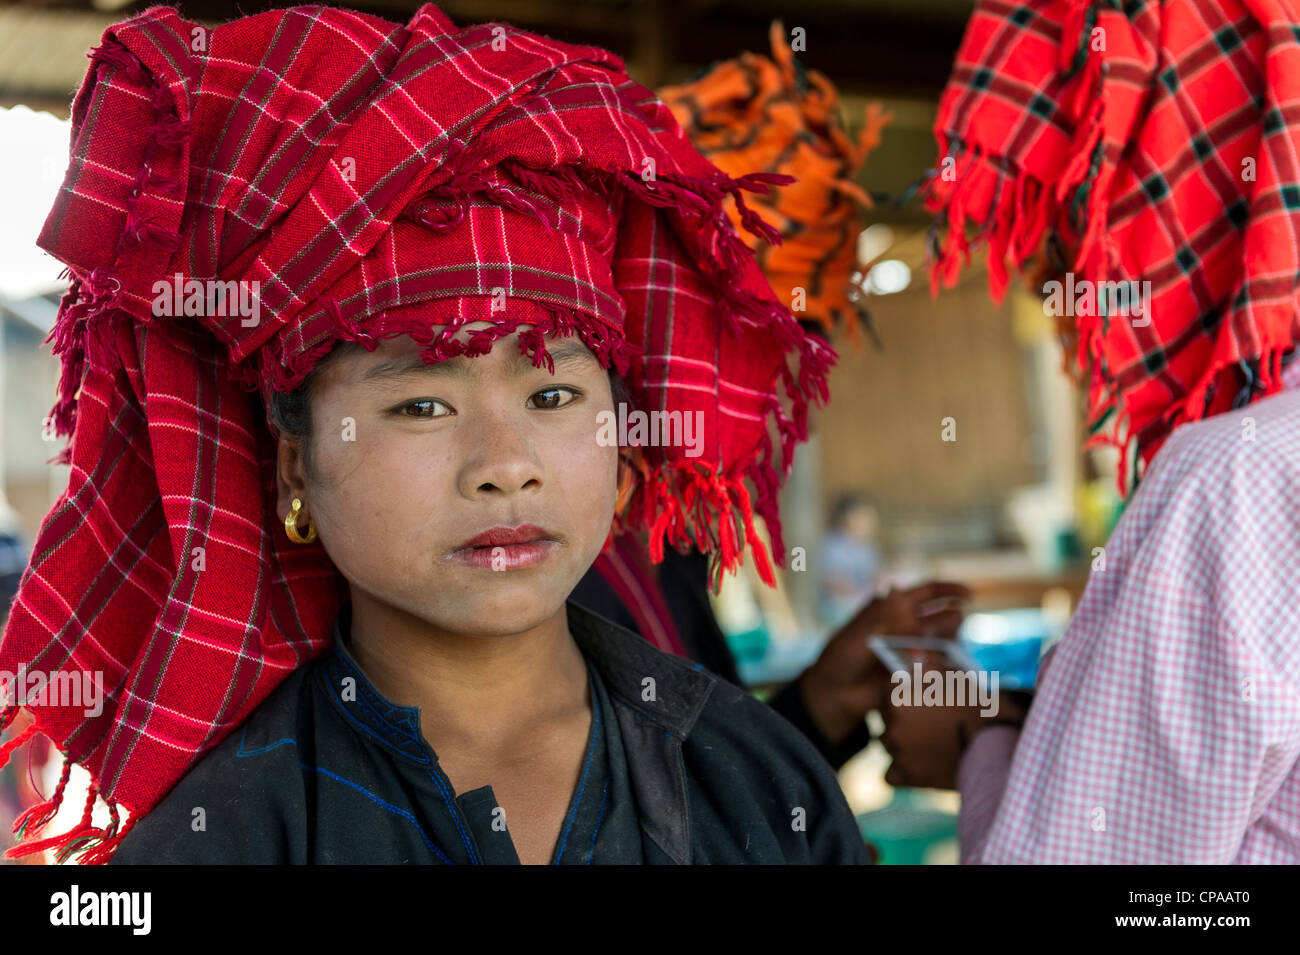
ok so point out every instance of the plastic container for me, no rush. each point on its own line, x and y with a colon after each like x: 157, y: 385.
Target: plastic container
x: 908, y: 829
x: 1009, y: 642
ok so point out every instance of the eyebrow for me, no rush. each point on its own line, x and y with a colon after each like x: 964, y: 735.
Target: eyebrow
x: 569, y: 354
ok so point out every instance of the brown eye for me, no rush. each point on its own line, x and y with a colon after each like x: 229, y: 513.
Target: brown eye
x: 423, y: 403
x: 552, y: 399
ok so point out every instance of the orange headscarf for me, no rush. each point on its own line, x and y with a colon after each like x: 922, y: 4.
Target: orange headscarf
x: 774, y: 115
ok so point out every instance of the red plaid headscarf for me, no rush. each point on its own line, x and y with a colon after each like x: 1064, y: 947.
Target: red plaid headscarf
x: 1143, y: 141
x: 375, y: 179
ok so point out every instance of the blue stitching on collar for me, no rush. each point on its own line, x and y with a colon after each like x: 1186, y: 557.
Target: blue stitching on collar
x: 242, y: 753
x: 593, y: 741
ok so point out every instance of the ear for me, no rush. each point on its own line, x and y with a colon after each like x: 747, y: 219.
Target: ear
x: 627, y: 474
x: 289, y: 478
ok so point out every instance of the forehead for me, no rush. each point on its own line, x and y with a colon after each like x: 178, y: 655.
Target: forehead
x: 400, y: 358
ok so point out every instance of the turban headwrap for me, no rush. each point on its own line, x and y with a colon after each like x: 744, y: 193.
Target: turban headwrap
x: 1139, y: 142
x: 773, y: 115
x: 373, y: 180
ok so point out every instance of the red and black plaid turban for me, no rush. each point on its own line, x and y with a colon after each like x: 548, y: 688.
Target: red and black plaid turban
x: 374, y: 179
x: 1156, y: 141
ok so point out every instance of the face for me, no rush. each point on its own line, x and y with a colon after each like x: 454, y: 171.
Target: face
x: 861, y: 522
x: 410, y: 462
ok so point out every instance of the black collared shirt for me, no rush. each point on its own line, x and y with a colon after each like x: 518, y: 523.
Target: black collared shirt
x: 680, y: 767
x: 683, y: 577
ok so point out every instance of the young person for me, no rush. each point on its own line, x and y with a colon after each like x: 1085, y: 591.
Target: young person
x: 333, y: 625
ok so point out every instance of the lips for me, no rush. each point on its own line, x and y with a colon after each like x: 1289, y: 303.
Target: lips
x: 507, y: 548
x: 504, y: 536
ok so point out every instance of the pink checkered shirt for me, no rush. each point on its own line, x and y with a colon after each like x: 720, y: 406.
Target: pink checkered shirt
x: 1167, y: 727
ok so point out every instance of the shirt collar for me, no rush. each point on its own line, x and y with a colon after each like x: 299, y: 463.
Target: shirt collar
x: 624, y: 660
x: 392, y: 724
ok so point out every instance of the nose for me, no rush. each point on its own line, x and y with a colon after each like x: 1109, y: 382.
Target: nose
x: 501, y: 458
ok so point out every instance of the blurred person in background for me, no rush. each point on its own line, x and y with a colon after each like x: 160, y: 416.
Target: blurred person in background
x: 849, y: 560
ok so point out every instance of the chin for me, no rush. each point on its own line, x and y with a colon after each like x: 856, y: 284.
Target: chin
x: 503, y: 607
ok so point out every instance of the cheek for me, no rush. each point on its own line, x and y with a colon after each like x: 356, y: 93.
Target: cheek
x: 375, y: 495
x: 585, y: 475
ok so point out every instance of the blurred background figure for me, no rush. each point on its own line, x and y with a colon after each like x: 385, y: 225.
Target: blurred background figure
x: 850, y: 560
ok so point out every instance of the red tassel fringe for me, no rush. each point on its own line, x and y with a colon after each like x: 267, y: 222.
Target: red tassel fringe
x: 33, y: 820
x: 92, y: 846
x: 1024, y: 210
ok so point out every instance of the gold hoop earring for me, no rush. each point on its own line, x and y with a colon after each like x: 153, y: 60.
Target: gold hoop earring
x: 291, y: 525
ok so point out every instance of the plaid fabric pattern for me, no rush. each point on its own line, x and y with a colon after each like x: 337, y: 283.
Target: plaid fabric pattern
x: 374, y: 179
x: 1149, y: 141
x: 753, y: 112
x: 1166, y: 728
